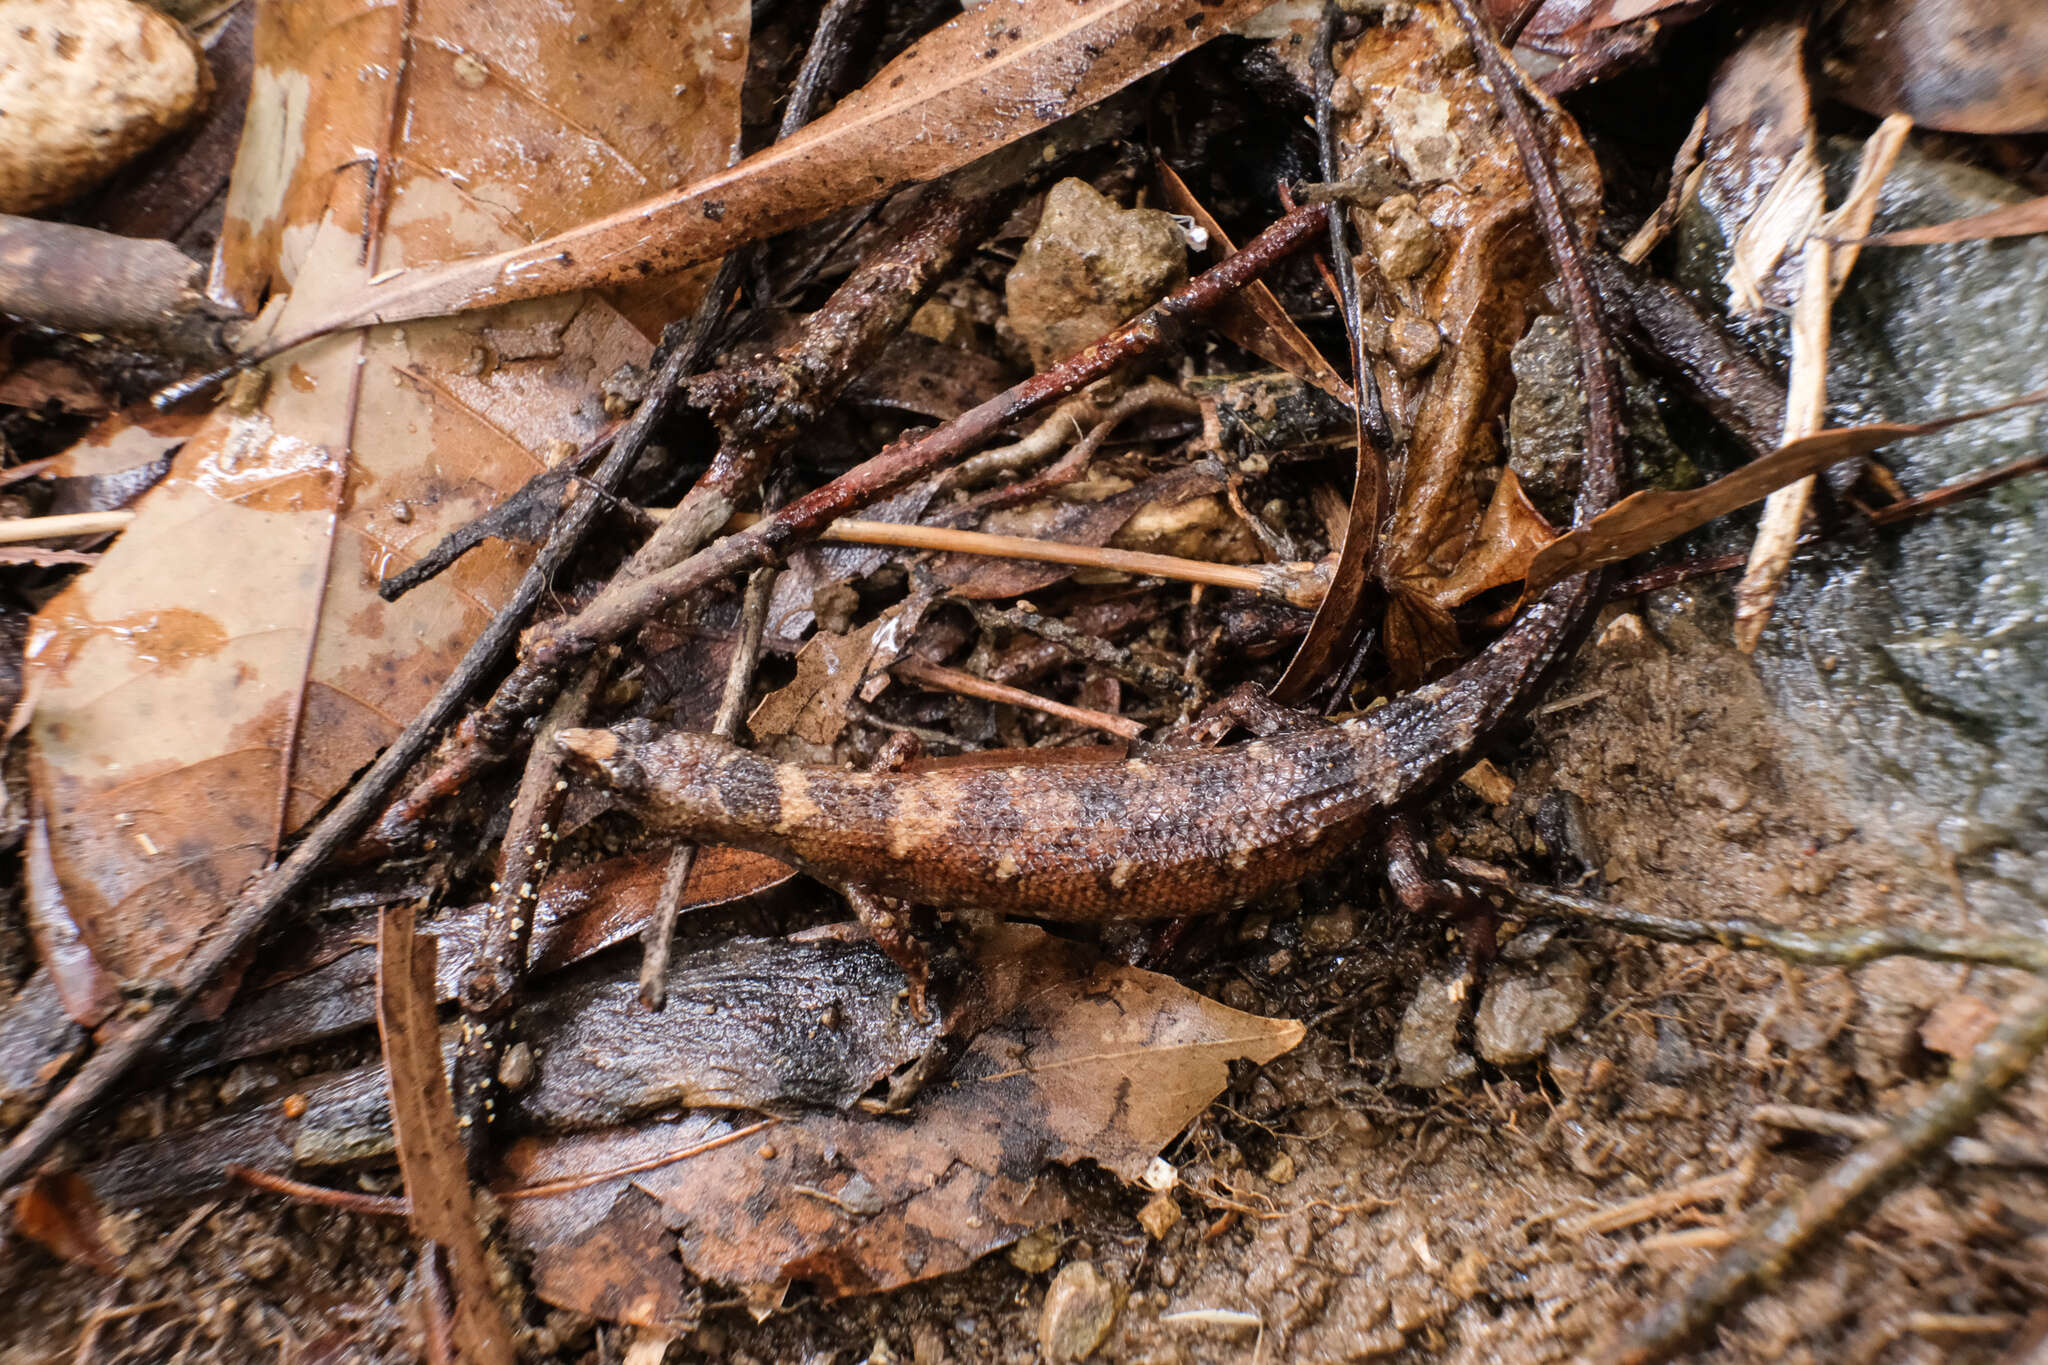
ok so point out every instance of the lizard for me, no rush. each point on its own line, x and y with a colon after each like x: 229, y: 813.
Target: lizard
x: 1168, y: 831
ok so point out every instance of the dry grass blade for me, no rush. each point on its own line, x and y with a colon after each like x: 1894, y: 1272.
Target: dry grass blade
x: 978, y: 83
x: 1648, y: 519
x: 429, y: 1150
x: 2014, y: 220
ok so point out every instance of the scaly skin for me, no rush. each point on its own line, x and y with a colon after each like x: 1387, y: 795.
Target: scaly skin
x: 1168, y: 832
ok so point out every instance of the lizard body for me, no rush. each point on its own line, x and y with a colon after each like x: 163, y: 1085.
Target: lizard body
x: 1168, y: 831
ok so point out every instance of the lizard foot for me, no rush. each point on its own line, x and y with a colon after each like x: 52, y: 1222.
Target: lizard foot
x: 888, y: 922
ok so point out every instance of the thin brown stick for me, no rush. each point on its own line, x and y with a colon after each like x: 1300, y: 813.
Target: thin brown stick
x: 536, y: 678
x: 1775, y: 1239
x: 657, y: 937
x: 570, y: 1184
x: 1112, y: 659
x: 1300, y: 585
x: 348, y: 1201
x: 940, y: 678
x: 1851, y: 947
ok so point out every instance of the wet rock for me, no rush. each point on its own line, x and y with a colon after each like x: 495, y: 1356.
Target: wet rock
x: 1079, y: 1309
x: 1911, y: 674
x: 1547, y: 423
x: 1089, y: 267
x: 85, y: 86
x: 1330, y: 931
x: 1524, y: 1009
x: 1426, y: 1048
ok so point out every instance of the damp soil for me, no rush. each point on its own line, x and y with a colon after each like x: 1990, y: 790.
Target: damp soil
x: 1520, y: 1213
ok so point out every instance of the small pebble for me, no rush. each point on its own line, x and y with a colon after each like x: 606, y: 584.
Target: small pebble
x: 1159, y: 1215
x: 86, y: 86
x: 1523, y: 1010
x: 1426, y: 1047
x: 1036, y: 1251
x: 265, y: 1258
x: 1079, y: 1310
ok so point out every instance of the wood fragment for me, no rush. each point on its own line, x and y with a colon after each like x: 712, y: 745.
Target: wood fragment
x: 21, y: 530
x: 430, y: 1152
x: 76, y: 279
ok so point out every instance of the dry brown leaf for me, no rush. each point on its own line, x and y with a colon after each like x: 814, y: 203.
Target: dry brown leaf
x: 2014, y: 220
x: 229, y: 665
x: 59, y: 1212
x: 1254, y: 318
x: 1968, y: 66
x: 1095, y: 1062
x: 977, y: 83
x: 1648, y: 519
x: 430, y: 1151
x: 1511, y: 535
x: 1464, y: 256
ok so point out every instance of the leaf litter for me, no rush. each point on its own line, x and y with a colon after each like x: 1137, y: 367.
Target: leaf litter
x: 623, y: 1213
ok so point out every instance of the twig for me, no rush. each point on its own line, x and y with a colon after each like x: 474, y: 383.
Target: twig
x: 1153, y: 393
x: 1775, y: 1239
x: 1370, y: 409
x: 536, y: 678
x: 1685, y: 173
x: 1863, y: 1127
x: 943, y: 679
x: 494, y: 980
x: 657, y: 937
x: 1850, y: 947
x: 21, y: 530
x: 1824, y: 269
x: 1300, y: 585
x: 349, y: 1201
x: 430, y: 1154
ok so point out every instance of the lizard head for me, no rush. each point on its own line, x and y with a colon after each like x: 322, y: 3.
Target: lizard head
x: 677, y: 778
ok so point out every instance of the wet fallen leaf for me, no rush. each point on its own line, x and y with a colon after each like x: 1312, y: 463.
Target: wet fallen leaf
x: 1647, y: 519
x: 830, y: 669
x: 977, y: 83
x: 1095, y: 1063
x: 2014, y: 220
x: 1462, y: 254
x: 1968, y: 66
x: 228, y: 665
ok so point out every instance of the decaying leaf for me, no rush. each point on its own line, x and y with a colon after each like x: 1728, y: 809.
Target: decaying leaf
x: 1968, y: 66
x: 1095, y: 1063
x: 1760, y: 165
x: 1647, y: 519
x: 58, y: 1211
x: 977, y: 83
x: 1460, y: 255
x: 228, y: 665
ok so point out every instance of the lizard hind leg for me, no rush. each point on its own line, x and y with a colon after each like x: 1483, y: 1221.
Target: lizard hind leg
x: 890, y: 923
